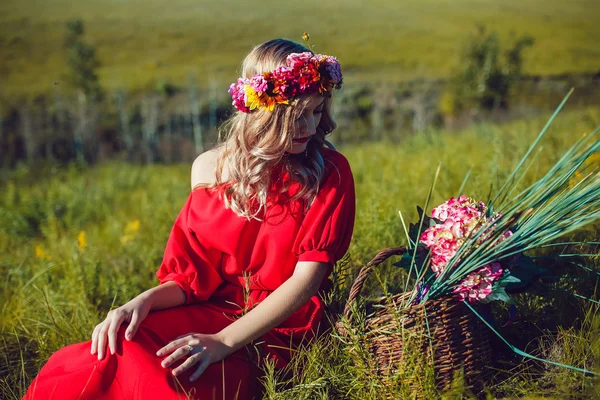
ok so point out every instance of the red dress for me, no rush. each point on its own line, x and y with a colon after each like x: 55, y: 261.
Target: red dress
x: 213, y: 255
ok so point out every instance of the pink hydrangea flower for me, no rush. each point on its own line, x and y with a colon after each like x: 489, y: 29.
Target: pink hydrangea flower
x: 236, y: 90
x: 460, y: 218
x: 298, y: 60
x: 259, y: 84
x: 478, y: 284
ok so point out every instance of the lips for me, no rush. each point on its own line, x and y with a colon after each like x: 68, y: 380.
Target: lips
x: 302, y: 140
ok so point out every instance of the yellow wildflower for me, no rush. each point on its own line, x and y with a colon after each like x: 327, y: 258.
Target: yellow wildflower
x: 306, y: 38
x: 82, y: 240
x: 131, y: 230
x: 133, y: 226
x: 41, y: 254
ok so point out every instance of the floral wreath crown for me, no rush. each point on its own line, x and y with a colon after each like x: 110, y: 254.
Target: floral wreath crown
x: 305, y: 73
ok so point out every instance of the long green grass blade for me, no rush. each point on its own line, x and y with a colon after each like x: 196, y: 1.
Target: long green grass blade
x: 535, y: 142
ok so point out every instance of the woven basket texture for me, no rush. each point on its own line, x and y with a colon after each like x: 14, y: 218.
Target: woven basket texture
x: 443, y: 328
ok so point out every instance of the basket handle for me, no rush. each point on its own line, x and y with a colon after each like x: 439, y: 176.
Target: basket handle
x: 365, y: 271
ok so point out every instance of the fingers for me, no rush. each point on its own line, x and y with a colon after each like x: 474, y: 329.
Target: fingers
x: 95, y: 339
x: 181, y: 348
x: 133, y: 326
x: 172, y: 346
x: 186, y: 335
x: 107, y: 333
x: 118, y: 318
x: 102, y: 339
x: 201, y: 369
x: 177, y: 354
x: 187, y: 364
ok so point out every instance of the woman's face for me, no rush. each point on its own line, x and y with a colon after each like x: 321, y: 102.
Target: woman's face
x: 306, y: 125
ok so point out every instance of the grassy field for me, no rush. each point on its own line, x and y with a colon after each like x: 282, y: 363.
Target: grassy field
x: 143, y: 42
x: 75, y: 242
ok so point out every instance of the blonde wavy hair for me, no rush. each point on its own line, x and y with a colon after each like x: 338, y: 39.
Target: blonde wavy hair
x: 253, y: 144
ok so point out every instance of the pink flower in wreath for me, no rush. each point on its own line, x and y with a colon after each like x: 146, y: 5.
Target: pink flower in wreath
x: 332, y: 67
x: 236, y: 90
x: 297, y: 60
x: 259, y: 84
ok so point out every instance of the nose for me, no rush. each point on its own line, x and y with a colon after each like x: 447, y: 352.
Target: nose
x: 307, y: 125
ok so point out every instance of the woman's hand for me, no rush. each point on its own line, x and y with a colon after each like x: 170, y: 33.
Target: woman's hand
x: 198, y: 348
x: 133, y: 312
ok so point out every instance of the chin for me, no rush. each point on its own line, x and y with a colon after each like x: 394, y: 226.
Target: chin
x: 297, y: 148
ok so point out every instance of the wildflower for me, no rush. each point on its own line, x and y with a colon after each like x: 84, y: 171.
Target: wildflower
x: 41, y: 254
x: 82, y: 240
x: 131, y: 230
x: 133, y: 226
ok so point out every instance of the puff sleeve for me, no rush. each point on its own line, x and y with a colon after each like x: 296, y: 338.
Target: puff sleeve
x: 194, y: 267
x: 325, y: 233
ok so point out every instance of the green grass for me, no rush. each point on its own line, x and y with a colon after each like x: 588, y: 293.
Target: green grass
x: 54, y: 291
x: 142, y: 42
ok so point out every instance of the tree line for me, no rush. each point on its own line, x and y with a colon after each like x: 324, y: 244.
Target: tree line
x: 172, y: 124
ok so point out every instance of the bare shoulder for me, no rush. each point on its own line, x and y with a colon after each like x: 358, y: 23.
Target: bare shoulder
x: 204, y: 167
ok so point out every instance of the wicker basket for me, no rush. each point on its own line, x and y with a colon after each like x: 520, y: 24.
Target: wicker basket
x: 455, y: 337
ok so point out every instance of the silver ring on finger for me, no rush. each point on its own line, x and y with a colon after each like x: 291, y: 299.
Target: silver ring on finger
x: 190, y: 349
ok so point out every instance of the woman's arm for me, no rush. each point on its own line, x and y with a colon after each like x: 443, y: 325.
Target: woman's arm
x: 167, y: 295
x: 272, y: 311
x: 277, y: 307
x: 134, y: 312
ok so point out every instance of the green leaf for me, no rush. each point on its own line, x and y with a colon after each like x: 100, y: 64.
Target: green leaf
x: 526, y: 271
x: 498, y: 294
x: 506, y: 279
x: 511, y: 278
x: 413, y: 229
x: 406, y: 259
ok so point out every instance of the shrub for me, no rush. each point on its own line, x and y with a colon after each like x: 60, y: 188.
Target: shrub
x: 485, y: 75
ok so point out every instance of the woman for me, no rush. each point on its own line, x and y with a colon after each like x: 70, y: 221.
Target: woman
x: 271, y: 211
